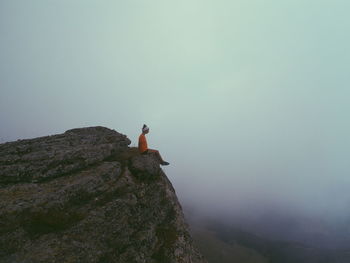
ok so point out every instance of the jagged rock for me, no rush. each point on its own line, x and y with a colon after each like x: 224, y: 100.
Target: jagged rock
x: 41, y: 159
x: 85, y: 196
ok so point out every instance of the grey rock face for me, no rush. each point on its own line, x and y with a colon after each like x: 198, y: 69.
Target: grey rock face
x: 44, y: 158
x: 84, y: 196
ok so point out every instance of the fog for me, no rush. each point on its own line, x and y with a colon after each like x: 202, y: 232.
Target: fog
x: 247, y: 100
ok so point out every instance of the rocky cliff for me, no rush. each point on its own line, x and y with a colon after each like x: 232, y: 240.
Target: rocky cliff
x: 85, y: 196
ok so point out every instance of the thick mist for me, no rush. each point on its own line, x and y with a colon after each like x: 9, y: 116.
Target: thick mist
x: 248, y: 100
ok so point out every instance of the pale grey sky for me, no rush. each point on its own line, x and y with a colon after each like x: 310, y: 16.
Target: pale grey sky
x: 248, y: 100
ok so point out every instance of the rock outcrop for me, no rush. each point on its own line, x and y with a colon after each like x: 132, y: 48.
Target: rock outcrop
x: 85, y: 196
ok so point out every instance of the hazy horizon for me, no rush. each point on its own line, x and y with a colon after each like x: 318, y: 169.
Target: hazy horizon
x: 247, y: 100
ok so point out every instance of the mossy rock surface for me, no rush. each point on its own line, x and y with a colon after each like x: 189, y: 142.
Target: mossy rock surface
x: 85, y: 196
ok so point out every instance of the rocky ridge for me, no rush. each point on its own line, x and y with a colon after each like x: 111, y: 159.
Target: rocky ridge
x: 85, y: 196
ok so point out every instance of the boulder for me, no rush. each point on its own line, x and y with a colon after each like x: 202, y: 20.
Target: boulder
x: 85, y: 196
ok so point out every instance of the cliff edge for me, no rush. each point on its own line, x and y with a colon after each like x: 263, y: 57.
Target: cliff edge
x: 85, y: 196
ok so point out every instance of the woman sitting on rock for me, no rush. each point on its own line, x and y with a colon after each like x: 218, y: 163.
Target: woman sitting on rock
x: 143, y: 148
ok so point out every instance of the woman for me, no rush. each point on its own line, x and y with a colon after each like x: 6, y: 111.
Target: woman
x: 143, y: 148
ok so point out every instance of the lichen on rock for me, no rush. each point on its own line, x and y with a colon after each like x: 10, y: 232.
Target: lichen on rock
x: 85, y: 196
